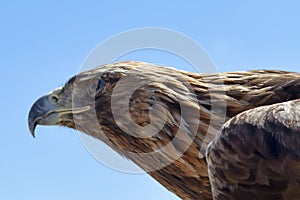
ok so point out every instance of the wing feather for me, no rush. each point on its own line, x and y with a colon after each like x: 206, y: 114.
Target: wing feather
x: 257, y: 154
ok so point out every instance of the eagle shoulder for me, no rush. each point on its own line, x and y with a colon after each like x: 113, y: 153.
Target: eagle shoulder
x: 257, y: 154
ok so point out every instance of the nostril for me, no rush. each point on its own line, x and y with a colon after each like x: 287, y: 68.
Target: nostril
x: 54, y: 98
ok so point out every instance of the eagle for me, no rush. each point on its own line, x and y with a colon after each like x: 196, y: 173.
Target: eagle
x: 232, y: 135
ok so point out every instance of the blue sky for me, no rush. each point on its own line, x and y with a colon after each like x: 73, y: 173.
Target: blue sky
x: 43, y: 44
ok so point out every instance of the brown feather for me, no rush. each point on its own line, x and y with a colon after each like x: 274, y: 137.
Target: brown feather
x: 208, y: 101
x: 257, y: 154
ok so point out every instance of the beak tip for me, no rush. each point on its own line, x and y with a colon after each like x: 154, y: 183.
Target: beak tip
x: 33, y: 134
x: 32, y: 129
x: 36, y: 113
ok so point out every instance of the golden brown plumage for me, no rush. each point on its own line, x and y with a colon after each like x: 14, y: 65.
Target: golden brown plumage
x: 257, y: 155
x: 161, y: 118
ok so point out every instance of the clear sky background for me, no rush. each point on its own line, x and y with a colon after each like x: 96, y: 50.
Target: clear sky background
x: 43, y: 44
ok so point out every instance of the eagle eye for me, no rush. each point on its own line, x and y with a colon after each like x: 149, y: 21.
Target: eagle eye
x: 100, y: 85
x: 96, y: 87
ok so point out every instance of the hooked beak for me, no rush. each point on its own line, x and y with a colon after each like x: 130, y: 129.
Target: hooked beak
x: 42, y: 112
x: 45, y: 111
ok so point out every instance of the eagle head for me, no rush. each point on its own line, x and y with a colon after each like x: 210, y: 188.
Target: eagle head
x: 125, y: 105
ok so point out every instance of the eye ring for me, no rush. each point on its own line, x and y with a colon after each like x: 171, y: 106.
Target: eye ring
x: 100, y: 85
x: 95, y: 88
